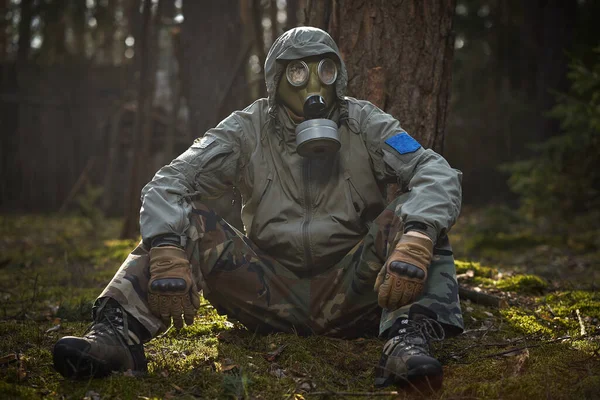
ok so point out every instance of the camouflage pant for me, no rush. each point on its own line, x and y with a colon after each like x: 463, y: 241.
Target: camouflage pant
x: 245, y: 283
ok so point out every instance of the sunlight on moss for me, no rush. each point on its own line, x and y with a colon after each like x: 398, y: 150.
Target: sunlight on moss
x: 565, y: 303
x: 524, y: 322
x: 487, y: 277
x: 527, y: 284
x: 115, y: 250
x: 214, y: 358
x: 462, y: 267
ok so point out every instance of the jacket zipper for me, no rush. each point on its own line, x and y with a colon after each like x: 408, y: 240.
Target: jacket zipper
x: 307, y: 215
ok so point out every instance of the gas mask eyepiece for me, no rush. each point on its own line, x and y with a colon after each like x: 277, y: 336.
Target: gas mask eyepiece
x: 297, y: 72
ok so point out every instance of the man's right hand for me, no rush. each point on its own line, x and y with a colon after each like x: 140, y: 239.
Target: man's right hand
x: 172, y: 290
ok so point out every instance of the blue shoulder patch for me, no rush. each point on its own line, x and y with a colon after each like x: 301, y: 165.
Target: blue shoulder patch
x: 403, y: 143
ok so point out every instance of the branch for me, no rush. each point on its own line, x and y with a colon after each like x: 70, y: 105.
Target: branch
x: 517, y: 349
x: 352, y: 394
x: 482, y: 298
x: 581, y: 325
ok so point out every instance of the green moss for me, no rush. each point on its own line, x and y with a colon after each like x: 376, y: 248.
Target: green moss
x: 526, y: 284
x: 564, y: 304
x: 486, y: 277
x: 13, y: 391
x: 547, y: 371
x: 462, y: 267
x: 525, y: 322
x: 114, y: 251
x: 56, y: 267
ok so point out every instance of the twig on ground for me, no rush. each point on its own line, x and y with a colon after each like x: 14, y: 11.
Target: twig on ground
x: 581, y: 325
x: 517, y: 349
x: 352, y: 394
x: 482, y: 298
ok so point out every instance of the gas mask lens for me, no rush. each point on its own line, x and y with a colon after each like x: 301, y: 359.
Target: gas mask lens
x: 327, y: 71
x: 297, y: 73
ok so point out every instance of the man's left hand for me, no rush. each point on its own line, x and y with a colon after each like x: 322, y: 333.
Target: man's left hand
x: 403, y: 276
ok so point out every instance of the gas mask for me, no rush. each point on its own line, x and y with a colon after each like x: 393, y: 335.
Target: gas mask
x: 308, y: 91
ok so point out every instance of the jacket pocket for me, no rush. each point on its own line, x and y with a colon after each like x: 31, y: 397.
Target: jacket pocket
x: 358, y: 203
x: 258, y: 220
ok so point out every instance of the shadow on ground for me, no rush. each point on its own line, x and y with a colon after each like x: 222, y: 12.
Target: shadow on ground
x: 541, y: 342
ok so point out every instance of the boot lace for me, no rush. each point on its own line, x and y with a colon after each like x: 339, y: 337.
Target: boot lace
x: 415, y: 336
x: 111, y: 323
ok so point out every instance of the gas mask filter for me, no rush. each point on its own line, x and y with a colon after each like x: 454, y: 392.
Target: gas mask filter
x: 316, y: 136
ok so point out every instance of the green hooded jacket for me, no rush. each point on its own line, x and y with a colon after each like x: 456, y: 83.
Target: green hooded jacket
x: 306, y: 213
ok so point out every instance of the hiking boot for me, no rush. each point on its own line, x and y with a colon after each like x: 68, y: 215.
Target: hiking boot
x: 111, y: 343
x: 405, y: 360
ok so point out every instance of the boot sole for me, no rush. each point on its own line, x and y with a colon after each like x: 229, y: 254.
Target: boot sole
x: 421, y: 380
x: 424, y: 381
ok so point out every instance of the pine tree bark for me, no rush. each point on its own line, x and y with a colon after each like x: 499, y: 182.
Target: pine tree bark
x: 213, y: 51
x: 143, y: 120
x: 3, y: 35
x: 399, y: 56
x: 292, y: 8
x: 25, y: 31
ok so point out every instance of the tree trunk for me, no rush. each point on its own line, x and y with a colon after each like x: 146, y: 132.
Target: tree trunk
x: 3, y: 35
x: 259, y: 40
x: 318, y: 13
x: 143, y: 119
x: 25, y: 31
x: 212, y: 46
x: 292, y: 8
x: 175, y: 85
x: 399, y: 56
x: 78, y: 23
x: 556, y: 21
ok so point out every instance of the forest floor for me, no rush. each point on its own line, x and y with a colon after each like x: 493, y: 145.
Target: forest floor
x: 541, y: 341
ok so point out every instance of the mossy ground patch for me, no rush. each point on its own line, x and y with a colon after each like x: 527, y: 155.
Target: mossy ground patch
x: 52, y: 268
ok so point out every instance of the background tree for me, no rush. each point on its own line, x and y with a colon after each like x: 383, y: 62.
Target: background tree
x: 212, y: 46
x: 399, y: 57
x: 143, y: 122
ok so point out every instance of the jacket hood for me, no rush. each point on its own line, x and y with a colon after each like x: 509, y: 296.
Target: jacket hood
x: 304, y: 41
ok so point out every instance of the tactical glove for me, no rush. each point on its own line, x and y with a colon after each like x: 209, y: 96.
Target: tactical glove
x: 403, y: 276
x: 172, y: 290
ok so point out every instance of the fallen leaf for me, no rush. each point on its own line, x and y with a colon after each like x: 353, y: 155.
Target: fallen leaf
x: 9, y: 358
x: 177, y: 388
x: 521, y: 361
x: 272, y: 355
x: 21, y: 371
x: 91, y: 395
x: 228, y: 367
x: 276, y: 371
x: 306, y: 386
x: 467, y: 275
x: 53, y: 329
x: 228, y: 324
